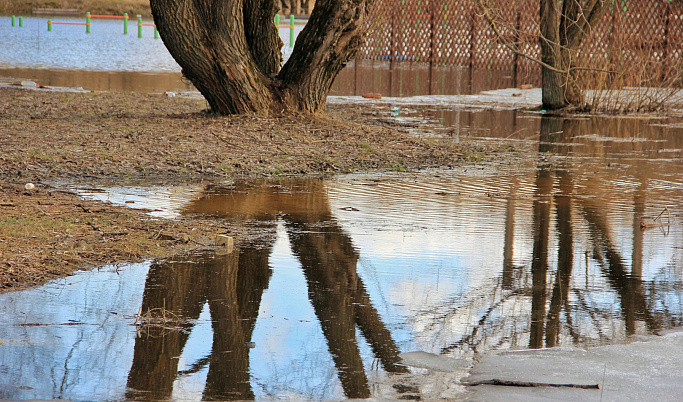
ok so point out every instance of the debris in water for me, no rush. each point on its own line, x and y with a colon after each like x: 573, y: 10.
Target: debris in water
x: 649, y: 222
x: 373, y: 96
x: 509, y: 383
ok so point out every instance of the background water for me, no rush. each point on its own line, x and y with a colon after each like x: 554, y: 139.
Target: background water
x: 106, y: 59
x: 106, y: 48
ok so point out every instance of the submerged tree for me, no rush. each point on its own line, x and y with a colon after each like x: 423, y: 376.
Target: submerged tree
x: 230, y: 51
x: 564, y: 25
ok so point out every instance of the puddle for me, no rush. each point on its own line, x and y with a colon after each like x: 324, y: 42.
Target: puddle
x: 362, y: 270
x: 162, y: 202
x: 134, y: 81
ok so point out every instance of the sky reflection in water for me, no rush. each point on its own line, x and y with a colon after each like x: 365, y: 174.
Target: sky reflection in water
x: 360, y: 269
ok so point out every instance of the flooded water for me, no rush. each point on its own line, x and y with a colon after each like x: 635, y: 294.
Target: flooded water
x: 106, y: 59
x: 582, y: 246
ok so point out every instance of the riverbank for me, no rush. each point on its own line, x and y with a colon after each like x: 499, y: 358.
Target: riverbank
x: 25, y: 8
x: 51, y: 137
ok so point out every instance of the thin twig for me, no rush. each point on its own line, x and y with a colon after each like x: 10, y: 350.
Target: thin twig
x: 512, y: 48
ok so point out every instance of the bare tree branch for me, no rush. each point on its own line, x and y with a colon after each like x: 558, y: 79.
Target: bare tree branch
x: 487, y: 12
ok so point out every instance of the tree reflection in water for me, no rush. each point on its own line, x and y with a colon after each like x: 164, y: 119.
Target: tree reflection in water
x: 540, y: 302
x: 589, y: 207
x: 233, y: 285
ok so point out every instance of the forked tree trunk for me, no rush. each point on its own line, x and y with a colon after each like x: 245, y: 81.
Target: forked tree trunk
x: 564, y: 26
x: 230, y: 51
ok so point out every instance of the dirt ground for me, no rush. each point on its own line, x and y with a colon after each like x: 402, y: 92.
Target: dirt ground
x: 52, y: 138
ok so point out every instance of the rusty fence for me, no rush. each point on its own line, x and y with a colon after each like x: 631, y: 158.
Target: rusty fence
x: 453, y: 33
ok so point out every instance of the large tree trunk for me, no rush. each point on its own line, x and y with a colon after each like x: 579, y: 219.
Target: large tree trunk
x: 564, y: 26
x: 230, y: 51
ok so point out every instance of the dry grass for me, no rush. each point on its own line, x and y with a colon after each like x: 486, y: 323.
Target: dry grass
x: 637, y: 76
x: 24, y: 7
x: 52, y: 135
x: 159, y: 321
x: 47, y: 233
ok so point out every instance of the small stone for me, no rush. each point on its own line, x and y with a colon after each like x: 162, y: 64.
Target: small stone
x: 224, y: 244
x: 29, y: 186
x: 224, y: 240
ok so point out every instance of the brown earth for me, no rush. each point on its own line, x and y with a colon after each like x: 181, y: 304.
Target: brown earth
x: 57, y: 137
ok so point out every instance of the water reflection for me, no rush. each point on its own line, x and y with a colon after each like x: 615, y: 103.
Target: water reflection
x: 574, y: 199
x: 102, y: 80
x: 353, y: 270
x: 233, y: 285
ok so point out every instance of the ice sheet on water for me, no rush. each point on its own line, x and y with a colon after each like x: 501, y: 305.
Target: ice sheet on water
x: 647, y: 369
x: 433, y: 361
x: 500, y: 99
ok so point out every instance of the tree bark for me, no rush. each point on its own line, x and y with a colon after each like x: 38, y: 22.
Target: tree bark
x: 551, y: 80
x: 230, y: 51
x: 564, y: 26
x: 330, y: 39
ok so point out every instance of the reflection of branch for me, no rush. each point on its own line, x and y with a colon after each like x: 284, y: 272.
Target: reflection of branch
x: 196, y: 367
x: 468, y: 339
x: 591, y: 313
x: 570, y: 324
x: 628, y: 288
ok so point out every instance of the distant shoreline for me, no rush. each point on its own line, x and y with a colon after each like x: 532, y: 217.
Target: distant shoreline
x: 70, y: 7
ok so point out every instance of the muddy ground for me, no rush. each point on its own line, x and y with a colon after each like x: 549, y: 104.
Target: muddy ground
x: 52, y: 138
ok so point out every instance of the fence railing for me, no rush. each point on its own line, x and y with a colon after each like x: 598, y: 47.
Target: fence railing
x: 454, y: 33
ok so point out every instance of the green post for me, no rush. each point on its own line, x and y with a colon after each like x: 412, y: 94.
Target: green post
x: 14, y: 21
x: 49, y: 25
x: 156, y: 32
x: 21, y: 21
x: 139, y: 26
x: 87, y: 22
x: 277, y: 21
x: 125, y: 23
x: 291, y: 30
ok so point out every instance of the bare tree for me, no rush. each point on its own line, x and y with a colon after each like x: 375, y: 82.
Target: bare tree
x: 564, y: 25
x: 230, y: 51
